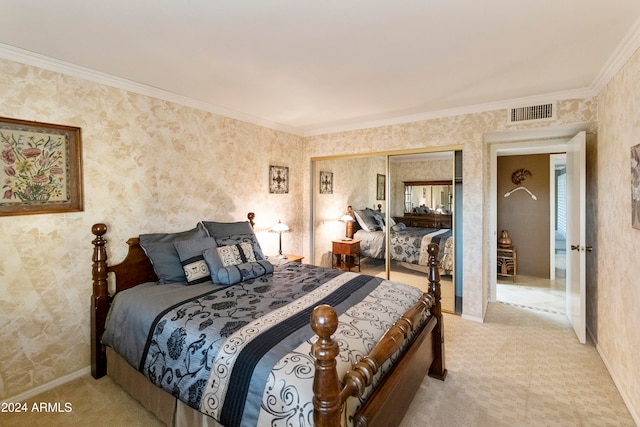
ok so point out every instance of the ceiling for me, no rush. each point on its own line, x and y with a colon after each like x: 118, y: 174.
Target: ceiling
x: 312, y: 67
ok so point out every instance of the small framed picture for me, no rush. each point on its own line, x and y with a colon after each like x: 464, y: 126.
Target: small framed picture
x: 381, y: 187
x: 326, y: 182
x: 278, y: 179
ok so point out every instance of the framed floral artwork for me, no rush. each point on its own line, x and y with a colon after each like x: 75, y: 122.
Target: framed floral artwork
x: 41, y: 168
x: 278, y: 179
x: 326, y: 182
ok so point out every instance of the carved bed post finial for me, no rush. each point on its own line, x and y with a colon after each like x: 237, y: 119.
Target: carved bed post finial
x: 437, y: 369
x: 250, y: 217
x: 99, y: 300
x: 326, y: 385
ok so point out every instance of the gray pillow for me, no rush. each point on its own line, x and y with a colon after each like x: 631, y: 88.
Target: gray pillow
x: 233, y: 274
x: 367, y: 220
x: 224, y: 229
x: 163, y: 255
x: 192, y: 260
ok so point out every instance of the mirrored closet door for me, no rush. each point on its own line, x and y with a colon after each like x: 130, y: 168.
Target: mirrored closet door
x: 398, y: 202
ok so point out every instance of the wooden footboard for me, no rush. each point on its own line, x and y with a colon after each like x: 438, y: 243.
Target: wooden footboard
x: 393, y: 395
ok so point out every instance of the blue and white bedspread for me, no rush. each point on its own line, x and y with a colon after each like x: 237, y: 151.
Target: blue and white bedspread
x: 410, y: 245
x: 242, y: 353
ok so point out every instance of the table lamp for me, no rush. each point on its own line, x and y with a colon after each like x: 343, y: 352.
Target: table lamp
x: 280, y: 228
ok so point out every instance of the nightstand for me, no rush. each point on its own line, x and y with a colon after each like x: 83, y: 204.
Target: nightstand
x: 344, y: 254
x: 295, y: 258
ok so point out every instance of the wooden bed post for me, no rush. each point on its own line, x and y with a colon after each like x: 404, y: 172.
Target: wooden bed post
x: 437, y: 369
x: 99, y: 301
x: 326, y: 385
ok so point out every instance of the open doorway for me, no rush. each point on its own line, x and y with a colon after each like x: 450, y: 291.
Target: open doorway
x: 533, y: 222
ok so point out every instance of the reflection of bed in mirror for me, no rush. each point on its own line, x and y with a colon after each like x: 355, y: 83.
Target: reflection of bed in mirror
x: 408, y: 245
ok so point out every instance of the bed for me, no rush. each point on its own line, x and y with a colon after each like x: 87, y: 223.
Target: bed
x: 290, y: 344
x: 407, y: 245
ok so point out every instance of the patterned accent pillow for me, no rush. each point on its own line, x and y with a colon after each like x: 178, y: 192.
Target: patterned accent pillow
x: 238, y: 238
x: 236, y: 254
x: 233, y: 274
x: 192, y: 260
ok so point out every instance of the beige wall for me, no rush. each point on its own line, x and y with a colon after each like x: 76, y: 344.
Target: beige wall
x: 149, y: 166
x: 613, y: 300
x: 526, y: 220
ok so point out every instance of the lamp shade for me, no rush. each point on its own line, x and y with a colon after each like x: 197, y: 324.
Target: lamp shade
x: 280, y: 228
x: 346, y: 218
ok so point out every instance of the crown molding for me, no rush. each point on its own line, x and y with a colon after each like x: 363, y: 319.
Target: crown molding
x: 41, y: 61
x: 471, y: 109
x: 629, y: 45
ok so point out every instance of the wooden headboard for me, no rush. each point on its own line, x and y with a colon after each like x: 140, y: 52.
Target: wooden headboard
x: 133, y: 270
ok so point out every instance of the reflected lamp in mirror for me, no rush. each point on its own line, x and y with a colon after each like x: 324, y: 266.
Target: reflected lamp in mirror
x: 280, y: 228
x: 347, y: 219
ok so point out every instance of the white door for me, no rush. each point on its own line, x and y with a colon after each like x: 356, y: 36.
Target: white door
x: 576, y: 232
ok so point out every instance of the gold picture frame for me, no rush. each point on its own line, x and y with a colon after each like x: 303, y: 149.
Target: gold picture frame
x: 41, y: 168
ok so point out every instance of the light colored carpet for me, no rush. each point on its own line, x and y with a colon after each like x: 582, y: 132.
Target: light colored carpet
x: 521, y: 367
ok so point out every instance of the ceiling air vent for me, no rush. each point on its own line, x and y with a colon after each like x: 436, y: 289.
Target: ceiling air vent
x: 532, y: 112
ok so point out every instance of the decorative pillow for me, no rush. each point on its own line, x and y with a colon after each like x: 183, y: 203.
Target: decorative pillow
x: 239, y: 238
x: 224, y: 229
x: 236, y: 254
x: 192, y: 260
x: 399, y: 227
x: 233, y: 274
x: 367, y: 220
x: 163, y: 254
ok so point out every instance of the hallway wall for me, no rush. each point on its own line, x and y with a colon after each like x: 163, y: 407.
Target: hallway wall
x: 527, y: 220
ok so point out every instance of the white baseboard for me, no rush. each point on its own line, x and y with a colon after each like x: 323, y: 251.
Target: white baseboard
x: 473, y: 318
x: 48, y: 386
x: 634, y: 413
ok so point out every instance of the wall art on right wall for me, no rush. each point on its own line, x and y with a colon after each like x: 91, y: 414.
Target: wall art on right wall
x: 635, y: 186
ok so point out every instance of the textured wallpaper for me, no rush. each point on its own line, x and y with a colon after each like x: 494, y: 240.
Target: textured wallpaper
x: 613, y: 317
x: 149, y: 166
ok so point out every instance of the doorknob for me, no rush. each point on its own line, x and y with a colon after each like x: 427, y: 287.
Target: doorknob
x: 581, y: 248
